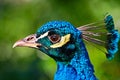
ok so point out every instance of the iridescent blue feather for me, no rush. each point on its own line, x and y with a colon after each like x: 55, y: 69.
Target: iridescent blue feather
x: 72, y: 59
x: 113, y: 37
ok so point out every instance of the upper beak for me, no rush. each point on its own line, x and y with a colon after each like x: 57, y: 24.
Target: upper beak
x: 29, y: 41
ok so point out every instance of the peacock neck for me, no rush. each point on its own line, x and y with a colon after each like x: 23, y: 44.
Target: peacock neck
x: 79, y: 67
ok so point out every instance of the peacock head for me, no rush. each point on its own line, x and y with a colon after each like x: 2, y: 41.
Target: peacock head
x: 58, y: 39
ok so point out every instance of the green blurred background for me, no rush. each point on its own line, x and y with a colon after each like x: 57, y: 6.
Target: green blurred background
x: 19, y: 18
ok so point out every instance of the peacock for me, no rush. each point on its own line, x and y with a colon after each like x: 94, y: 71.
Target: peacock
x: 66, y: 45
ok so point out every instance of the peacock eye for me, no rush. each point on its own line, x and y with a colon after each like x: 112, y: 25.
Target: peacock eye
x: 54, y: 38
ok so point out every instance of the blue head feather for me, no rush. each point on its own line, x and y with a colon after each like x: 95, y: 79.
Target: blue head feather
x: 72, y: 58
x: 62, y: 28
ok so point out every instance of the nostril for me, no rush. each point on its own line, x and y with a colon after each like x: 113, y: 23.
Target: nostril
x: 30, y: 38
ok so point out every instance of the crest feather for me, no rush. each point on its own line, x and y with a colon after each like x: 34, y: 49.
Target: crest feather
x: 102, y: 33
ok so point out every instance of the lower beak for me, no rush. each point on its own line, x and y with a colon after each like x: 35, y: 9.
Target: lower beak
x: 29, y: 41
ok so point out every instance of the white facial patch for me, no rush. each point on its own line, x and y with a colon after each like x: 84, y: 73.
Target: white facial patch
x: 42, y: 36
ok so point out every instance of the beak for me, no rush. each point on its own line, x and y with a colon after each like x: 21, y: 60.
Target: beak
x: 29, y: 41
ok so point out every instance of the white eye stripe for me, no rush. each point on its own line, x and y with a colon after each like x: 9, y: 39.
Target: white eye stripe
x: 42, y: 36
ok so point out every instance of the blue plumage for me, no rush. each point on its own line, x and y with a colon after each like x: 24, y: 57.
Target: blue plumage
x: 64, y: 43
x: 113, y: 37
x: 109, y: 23
x: 72, y: 58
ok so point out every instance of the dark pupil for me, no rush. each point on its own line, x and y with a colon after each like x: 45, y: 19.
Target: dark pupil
x: 54, y: 38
